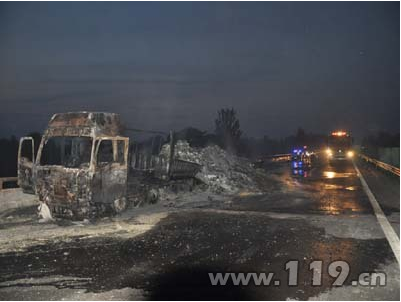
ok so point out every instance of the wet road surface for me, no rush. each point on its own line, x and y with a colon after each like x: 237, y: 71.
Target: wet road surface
x: 386, y: 188
x: 323, y: 215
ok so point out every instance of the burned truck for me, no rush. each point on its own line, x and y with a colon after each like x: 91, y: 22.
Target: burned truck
x: 82, y: 166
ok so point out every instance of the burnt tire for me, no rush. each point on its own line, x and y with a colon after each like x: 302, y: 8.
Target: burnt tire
x: 152, y: 196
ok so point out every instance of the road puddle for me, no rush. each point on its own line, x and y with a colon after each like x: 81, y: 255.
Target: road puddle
x: 338, y: 187
x: 332, y: 174
x: 301, y: 173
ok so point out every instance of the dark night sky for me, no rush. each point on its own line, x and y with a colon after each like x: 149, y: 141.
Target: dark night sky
x: 171, y: 65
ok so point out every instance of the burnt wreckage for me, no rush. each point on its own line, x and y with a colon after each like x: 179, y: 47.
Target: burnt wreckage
x: 86, y: 168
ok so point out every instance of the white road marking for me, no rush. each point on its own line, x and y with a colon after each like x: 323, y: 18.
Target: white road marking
x: 388, y: 230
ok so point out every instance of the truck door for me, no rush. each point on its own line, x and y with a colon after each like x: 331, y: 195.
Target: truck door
x: 111, y: 171
x: 26, y: 159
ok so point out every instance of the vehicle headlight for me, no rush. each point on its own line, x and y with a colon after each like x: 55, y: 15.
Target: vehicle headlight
x: 329, y: 152
x: 350, y: 154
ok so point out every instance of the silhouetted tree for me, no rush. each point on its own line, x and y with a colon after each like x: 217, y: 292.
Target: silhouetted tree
x: 228, y: 128
x: 8, y: 158
x: 300, y: 137
x: 381, y: 139
x: 195, y: 137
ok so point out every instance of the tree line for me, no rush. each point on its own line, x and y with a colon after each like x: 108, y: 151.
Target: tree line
x: 227, y: 134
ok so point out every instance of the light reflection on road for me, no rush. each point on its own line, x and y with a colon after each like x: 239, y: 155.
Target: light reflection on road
x: 336, y: 186
x: 341, y: 181
x: 339, y: 187
x: 333, y: 174
x: 300, y: 173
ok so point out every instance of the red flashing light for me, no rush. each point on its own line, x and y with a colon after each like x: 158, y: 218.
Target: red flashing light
x: 339, y: 133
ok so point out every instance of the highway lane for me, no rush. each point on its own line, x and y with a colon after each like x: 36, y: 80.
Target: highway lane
x: 321, y: 215
x: 386, y: 188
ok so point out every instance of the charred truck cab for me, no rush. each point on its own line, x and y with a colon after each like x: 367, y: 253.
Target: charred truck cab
x: 81, y: 167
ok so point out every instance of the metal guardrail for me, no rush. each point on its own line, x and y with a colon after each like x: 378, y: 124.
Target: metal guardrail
x: 280, y: 157
x: 277, y: 157
x: 381, y: 164
x: 273, y: 158
x: 7, y: 179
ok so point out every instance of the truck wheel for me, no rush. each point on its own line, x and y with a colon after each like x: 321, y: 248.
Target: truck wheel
x: 152, y: 196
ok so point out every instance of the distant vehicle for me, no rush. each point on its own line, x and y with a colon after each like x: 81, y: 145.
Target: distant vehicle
x: 301, y: 158
x: 340, y: 146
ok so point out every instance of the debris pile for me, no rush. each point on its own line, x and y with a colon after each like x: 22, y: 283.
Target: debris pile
x: 221, y: 171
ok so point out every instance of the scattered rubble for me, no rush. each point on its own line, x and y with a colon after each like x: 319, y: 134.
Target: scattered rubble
x: 221, y: 171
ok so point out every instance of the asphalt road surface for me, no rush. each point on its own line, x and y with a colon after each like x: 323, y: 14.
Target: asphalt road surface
x: 317, y: 215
